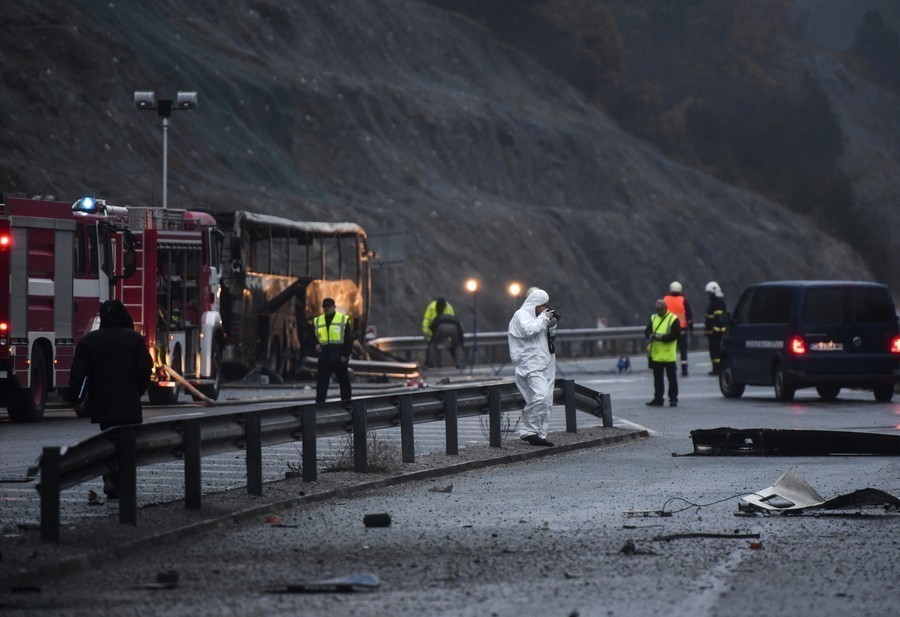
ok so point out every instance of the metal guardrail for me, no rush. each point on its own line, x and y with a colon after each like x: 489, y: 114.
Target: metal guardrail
x: 572, y: 342
x: 123, y: 449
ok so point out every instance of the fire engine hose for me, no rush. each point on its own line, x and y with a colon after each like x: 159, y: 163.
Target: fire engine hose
x: 189, y: 387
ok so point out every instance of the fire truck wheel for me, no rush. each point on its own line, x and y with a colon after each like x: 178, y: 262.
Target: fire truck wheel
x: 31, y: 403
x: 211, y: 390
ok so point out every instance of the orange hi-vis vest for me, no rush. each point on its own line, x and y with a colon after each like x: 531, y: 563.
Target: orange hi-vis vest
x: 675, y: 304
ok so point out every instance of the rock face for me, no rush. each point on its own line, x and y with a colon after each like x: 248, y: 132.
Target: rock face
x: 397, y: 116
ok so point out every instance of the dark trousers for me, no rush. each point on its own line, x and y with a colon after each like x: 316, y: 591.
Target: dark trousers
x: 683, y: 346
x: 659, y: 384
x: 328, y: 367
x: 715, y: 351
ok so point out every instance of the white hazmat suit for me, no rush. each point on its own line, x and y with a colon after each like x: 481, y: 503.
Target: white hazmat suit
x: 529, y: 349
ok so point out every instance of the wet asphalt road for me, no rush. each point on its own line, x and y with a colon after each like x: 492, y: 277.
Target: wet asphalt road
x: 547, y: 537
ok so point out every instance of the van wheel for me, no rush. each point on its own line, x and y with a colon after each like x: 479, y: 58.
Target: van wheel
x: 727, y: 384
x: 828, y: 392
x: 884, y: 394
x: 783, y: 392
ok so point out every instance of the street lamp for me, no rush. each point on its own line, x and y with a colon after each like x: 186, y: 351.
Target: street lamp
x: 515, y: 290
x: 472, y: 288
x: 146, y: 99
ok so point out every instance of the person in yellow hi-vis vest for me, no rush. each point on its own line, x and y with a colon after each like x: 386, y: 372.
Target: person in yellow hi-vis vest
x: 334, y: 336
x: 663, y: 331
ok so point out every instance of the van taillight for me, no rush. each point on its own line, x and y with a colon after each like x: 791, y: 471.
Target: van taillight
x: 4, y: 327
x: 5, y: 241
x: 797, y: 345
x: 895, y: 344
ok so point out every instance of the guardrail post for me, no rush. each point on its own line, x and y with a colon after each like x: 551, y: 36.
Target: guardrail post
x: 407, y: 434
x: 494, y: 416
x: 193, y: 492
x: 308, y: 426
x: 569, y: 400
x: 451, y: 421
x: 606, y: 409
x: 253, y: 445
x: 49, y: 491
x: 126, y: 455
x: 360, y: 445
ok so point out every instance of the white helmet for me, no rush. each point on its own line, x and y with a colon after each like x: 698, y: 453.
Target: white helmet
x: 675, y: 287
x: 712, y: 287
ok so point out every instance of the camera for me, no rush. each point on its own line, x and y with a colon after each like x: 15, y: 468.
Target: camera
x: 554, y: 313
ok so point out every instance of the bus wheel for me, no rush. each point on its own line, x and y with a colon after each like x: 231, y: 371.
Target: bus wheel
x: 31, y: 403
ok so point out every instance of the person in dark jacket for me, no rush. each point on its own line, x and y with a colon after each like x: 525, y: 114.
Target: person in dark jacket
x: 110, y: 372
x: 447, y: 332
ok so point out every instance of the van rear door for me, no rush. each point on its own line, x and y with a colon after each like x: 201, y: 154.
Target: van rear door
x: 848, y: 329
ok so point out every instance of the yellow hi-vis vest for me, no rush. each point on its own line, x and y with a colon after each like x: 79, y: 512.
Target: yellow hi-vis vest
x: 333, y: 335
x: 660, y: 351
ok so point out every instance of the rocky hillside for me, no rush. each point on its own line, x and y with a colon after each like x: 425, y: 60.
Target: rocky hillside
x: 401, y: 117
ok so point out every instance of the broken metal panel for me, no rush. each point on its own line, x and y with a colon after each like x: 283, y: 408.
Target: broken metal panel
x: 792, y: 442
x: 791, y: 493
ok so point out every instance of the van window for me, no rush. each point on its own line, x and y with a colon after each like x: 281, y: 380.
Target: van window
x: 770, y: 305
x: 824, y: 305
x: 870, y: 305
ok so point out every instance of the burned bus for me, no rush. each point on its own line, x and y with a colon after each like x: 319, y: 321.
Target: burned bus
x: 280, y: 271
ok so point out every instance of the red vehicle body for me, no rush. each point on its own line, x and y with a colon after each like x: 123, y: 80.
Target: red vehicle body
x: 59, y: 261
x: 56, y: 267
x: 173, y: 297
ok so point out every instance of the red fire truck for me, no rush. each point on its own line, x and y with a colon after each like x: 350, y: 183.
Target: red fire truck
x: 173, y: 297
x: 56, y: 266
x: 59, y: 262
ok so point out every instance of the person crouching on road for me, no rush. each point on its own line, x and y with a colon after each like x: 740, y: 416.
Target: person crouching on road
x: 530, y: 351
x: 110, y: 372
x: 663, y: 331
x: 334, y: 336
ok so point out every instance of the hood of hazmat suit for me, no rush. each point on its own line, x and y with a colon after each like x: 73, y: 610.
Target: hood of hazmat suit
x: 528, y: 346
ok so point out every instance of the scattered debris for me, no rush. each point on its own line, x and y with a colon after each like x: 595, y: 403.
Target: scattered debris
x: 756, y: 546
x: 680, y: 536
x: 164, y: 580
x: 792, y: 494
x: 381, y: 519
x: 630, y: 548
x: 788, y: 442
x: 343, y: 584
x: 446, y: 489
x: 646, y: 513
x: 94, y: 498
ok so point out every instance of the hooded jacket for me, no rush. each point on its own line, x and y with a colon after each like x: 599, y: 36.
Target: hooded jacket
x: 116, y: 364
x: 529, y: 348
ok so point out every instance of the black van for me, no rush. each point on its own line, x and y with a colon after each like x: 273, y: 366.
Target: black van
x: 827, y: 334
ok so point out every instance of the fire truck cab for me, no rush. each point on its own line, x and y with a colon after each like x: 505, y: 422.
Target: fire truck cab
x: 174, y: 298
x: 57, y: 264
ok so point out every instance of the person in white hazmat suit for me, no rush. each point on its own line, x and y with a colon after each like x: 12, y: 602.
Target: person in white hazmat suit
x: 530, y: 350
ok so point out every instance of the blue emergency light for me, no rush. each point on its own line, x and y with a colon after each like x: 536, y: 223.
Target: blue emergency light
x: 89, y: 205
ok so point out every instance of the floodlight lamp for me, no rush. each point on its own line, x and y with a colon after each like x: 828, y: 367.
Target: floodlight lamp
x: 145, y: 99
x: 515, y: 289
x: 472, y: 285
x: 186, y: 100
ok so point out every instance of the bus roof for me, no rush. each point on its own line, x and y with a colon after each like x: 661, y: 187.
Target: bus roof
x: 315, y: 227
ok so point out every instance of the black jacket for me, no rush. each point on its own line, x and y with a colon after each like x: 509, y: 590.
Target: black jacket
x: 116, y: 363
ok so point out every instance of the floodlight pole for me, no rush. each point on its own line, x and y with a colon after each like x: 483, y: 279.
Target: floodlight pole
x: 164, y: 109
